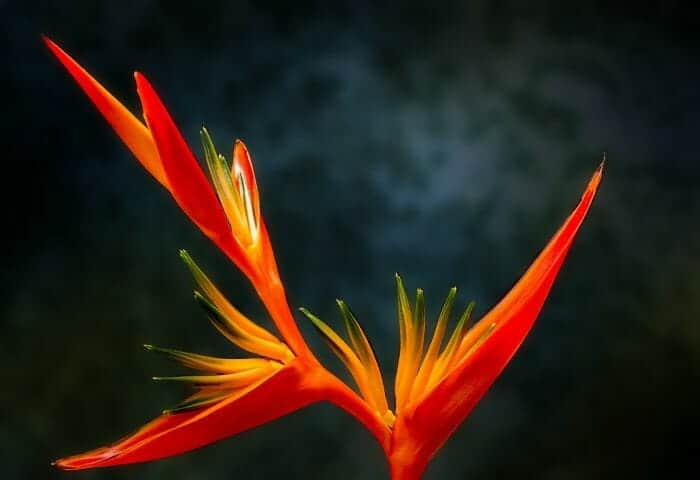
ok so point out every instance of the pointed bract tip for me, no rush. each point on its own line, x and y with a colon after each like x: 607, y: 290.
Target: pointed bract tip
x: 314, y: 319
x: 202, y: 299
x: 142, y: 84
x: 55, y: 49
x: 149, y: 347
x: 52, y: 45
x: 594, y: 182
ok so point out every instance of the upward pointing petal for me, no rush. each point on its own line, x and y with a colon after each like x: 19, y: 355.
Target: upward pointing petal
x: 219, y: 300
x: 242, y: 168
x: 131, y: 131
x: 487, y: 353
x: 189, y: 186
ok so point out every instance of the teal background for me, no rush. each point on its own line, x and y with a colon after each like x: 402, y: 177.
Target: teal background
x: 446, y: 142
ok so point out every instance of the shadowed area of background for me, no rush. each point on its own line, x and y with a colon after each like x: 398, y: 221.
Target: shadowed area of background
x: 445, y: 142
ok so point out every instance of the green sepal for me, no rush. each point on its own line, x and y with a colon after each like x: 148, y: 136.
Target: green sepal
x: 457, y: 333
x: 197, y: 361
x: 419, y: 324
x: 440, y: 326
x: 444, y: 316
x: 403, y: 310
x: 195, y: 403
x: 329, y: 336
x: 220, y: 321
x: 467, y: 315
x: 199, y: 276
x: 359, y: 341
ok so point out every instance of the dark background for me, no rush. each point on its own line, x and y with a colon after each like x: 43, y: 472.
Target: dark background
x: 446, y: 142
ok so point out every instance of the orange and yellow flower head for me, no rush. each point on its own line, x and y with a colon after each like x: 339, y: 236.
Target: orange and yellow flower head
x: 441, y: 372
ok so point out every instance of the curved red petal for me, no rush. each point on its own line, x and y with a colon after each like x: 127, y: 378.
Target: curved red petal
x: 171, y: 434
x: 433, y: 419
x: 189, y: 186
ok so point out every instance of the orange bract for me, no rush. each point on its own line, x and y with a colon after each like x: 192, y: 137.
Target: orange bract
x: 436, y: 385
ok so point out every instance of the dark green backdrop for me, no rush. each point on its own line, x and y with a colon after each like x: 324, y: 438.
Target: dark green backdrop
x: 446, y: 142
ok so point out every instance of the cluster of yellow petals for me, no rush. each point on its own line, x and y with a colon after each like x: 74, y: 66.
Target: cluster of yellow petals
x: 419, y: 369
x: 224, y: 377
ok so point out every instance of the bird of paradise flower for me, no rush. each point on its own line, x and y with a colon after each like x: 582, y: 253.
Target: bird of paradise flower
x: 438, y: 380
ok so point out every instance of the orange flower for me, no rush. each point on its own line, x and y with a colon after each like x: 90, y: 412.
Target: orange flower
x: 436, y: 386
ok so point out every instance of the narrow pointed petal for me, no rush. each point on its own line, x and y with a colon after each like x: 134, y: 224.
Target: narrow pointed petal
x: 221, y: 176
x: 174, y: 433
x: 431, y: 354
x: 199, y: 401
x: 446, y: 357
x: 242, y: 169
x: 419, y: 329
x: 358, y: 339
x: 129, y: 128
x: 230, y: 328
x: 189, y: 185
x: 403, y: 307
x: 343, y: 351
x: 451, y: 352
x: 404, y: 375
x: 210, y: 364
x: 431, y: 422
x: 218, y: 299
x: 226, y: 380
x: 363, y: 348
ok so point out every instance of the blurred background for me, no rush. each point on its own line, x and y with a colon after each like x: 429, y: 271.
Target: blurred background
x: 446, y: 142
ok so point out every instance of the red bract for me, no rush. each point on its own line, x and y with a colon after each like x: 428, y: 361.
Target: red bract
x: 437, y: 382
